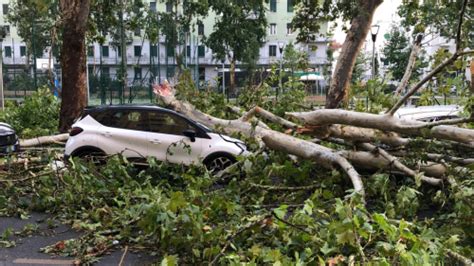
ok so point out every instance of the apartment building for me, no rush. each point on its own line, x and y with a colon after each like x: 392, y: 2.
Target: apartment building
x: 146, y: 61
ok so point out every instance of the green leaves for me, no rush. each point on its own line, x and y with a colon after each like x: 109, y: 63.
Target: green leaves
x: 44, y: 105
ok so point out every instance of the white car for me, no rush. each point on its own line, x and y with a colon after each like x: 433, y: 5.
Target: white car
x: 140, y: 131
x: 429, y: 113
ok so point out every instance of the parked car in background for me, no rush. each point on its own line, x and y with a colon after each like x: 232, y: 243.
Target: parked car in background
x: 429, y: 113
x: 8, y: 139
x: 138, y: 131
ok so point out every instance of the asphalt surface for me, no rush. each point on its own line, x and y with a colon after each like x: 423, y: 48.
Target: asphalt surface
x: 27, y: 250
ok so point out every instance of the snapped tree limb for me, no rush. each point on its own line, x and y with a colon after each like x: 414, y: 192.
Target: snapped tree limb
x: 43, y: 140
x: 273, y: 139
x: 384, y: 122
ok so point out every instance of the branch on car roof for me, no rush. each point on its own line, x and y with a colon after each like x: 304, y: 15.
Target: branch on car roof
x: 273, y: 139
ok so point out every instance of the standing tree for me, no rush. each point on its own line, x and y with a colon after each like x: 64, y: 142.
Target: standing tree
x: 396, y: 54
x: 177, y: 22
x: 74, y: 14
x: 76, y: 20
x: 238, y: 32
x: 309, y: 16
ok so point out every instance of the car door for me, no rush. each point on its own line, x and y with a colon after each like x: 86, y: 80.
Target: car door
x: 125, y: 132
x: 167, y: 142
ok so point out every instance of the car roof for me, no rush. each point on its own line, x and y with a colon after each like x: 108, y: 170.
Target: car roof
x: 99, y: 108
x: 150, y: 107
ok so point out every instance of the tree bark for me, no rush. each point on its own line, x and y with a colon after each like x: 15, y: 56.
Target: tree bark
x: 386, y: 122
x: 273, y: 139
x: 360, y: 26
x: 43, y: 140
x: 410, y: 66
x: 75, y: 14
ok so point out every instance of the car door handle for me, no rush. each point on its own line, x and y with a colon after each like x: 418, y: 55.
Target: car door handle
x: 107, y: 134
x: 155, y: 141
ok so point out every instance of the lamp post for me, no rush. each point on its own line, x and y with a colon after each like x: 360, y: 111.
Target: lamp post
x: 374, y: 30
x: 223, y: 77
x: 3, y: 33
x: 281, y: 45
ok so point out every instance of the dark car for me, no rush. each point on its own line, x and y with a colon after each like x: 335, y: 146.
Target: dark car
x: 8, y: 139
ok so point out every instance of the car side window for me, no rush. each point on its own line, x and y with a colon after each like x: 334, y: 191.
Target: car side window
x: 128, y: 119
x: 102, y: 117
x: 167, y: 123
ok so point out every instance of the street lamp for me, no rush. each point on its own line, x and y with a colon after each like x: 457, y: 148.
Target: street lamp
x: 374, y: 30
x: 223, y: 77
x: 3, y: 34
x: 281, y: 45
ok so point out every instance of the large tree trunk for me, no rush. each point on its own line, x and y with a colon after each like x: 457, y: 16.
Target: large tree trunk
x: 73, y: 61
x: 360, y: 26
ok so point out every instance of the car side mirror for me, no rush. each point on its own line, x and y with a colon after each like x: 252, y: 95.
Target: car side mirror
x: 191, y: 134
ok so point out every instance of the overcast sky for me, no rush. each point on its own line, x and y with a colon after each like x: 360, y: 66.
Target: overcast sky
x: 385, y: 15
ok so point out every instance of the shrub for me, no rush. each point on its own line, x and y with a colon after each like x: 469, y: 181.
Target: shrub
x: 38, y: 115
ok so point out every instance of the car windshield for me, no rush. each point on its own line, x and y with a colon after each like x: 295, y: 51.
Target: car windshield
x: 208, y: 130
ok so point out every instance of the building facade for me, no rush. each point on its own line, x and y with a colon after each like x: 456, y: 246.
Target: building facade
x: 154, y: 63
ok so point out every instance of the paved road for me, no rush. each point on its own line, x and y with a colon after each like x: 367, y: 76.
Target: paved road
x: 27, y: 249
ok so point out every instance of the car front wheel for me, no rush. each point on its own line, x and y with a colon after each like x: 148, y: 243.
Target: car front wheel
x: 219, y: 162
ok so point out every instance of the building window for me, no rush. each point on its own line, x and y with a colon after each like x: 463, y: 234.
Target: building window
x: 272, y: 50
x: 8, y: 51
x: 22, y: 50
x: 273, y: 29
x: 119, y: 51
x: 170, y: 71
x: 153, y: 6
x: 188, y: 51
x: 5, y: 9
x: 289, y: 29
x: 137, y: 50
x: 200, y: 29
x: 90, y: 51
x: 169, y: 50
x: 137, y: 32
x: 105, y: 51
x: 290, y: 5
x: 202, y: 74
x: 201, y: 51
x: 273, y: 5
x: 105, y: 71
x: 169, y: 7
x: 138, y: 72
x: 154, y: 50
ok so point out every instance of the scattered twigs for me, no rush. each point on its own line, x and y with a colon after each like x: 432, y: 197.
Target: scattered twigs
x: 400, y: 166
x: 31, y: 175
x: 411, y: 63
x: 297, y: 226
x: 123, y: 256
x: 280, y: 188
x: 459, y: 257
x: 231, y: 237
x: 440, y: 67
